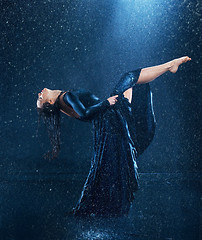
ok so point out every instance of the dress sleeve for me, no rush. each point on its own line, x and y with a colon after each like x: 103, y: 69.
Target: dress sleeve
x: 85, y: 113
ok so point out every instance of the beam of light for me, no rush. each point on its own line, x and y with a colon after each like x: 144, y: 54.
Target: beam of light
x: 137, y: 21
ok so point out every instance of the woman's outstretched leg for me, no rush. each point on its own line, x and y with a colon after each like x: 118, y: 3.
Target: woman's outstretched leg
x: 150, y: 73
x: 128, y: 94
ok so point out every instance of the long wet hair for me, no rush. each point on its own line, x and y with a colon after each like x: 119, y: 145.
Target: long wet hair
x: 50, y: 113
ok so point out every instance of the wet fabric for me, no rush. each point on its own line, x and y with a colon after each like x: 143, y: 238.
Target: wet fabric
x: 85, y: 104
x: 121, y: 133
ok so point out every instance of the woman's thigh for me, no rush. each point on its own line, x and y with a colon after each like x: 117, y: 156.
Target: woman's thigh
x: 128, y: 94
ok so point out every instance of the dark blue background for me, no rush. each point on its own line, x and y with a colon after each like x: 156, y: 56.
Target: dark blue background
x: 90, y: 44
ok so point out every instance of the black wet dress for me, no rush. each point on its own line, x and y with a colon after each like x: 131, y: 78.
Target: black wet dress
x: 121, y: 133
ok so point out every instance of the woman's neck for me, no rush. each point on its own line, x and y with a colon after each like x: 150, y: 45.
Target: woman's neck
x: 66, y: 109
x: 55, y: 94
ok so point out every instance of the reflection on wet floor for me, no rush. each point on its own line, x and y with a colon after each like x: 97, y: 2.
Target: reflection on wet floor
x: 166, y: 207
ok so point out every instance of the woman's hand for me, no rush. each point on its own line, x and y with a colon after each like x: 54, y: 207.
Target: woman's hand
x: 112, y: 100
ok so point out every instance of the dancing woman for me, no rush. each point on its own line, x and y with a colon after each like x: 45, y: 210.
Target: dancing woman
x: 124, y: 126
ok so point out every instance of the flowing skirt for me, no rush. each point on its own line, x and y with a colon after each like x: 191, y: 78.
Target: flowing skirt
x: 121, y: 134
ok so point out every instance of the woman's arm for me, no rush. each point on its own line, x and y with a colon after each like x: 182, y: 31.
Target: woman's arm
x: 89, y: 112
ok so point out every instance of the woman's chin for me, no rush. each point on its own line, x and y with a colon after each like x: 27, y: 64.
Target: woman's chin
x: 38, y: 104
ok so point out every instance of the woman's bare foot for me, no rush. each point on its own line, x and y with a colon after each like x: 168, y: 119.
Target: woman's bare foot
x: 176, y: 62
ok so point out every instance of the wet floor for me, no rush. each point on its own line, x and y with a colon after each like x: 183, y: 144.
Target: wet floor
x: 166, y: 207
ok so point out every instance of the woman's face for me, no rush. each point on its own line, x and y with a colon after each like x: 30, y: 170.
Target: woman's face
x: 44, y: 96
